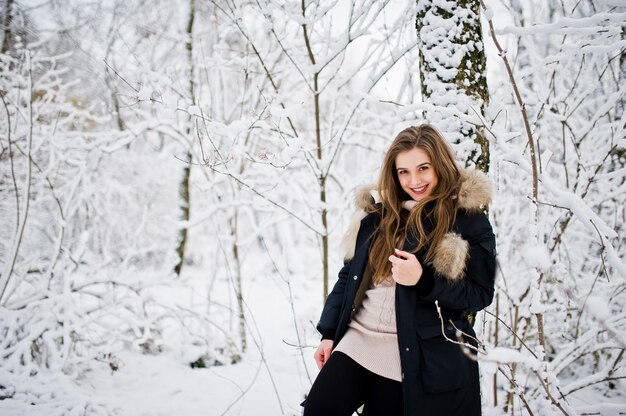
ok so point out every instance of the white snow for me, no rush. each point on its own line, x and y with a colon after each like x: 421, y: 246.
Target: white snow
x: 144, y: 94
x: 507, y: 355
x: 194, y: 110
x: 537, y: 256
x: 598, y: 307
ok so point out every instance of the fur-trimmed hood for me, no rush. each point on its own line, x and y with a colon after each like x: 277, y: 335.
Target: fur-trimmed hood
x: 452, y: 252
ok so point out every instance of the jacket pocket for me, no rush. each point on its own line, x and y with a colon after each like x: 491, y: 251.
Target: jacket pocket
x: 444, y: 364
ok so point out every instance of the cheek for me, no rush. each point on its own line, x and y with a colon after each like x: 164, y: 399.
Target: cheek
x: 434, y: 180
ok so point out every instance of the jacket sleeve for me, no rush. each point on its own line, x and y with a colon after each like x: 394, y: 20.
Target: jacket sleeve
x: 476, y: 289
x: 329, y: 320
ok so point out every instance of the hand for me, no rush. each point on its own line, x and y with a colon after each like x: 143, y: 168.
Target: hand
x: 322, y: 354
x: 405, y: 268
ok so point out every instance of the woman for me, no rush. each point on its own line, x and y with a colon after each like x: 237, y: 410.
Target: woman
x: 426, y: 243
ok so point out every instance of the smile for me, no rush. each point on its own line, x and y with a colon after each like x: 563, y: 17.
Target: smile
x: 419, y: 190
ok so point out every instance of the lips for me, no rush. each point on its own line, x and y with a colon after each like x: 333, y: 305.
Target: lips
x: 419, y: 190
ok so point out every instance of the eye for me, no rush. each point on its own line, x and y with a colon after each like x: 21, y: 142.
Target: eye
x: 402, y: 172
x: 423, y: 168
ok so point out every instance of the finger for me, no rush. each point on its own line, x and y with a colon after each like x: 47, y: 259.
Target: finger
x: 327, y: 353
x: 318, y: 360
x: 403, y: 254
x: 324, y: 355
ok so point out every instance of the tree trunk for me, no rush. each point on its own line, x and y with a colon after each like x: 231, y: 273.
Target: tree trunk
x: 621, y: 104
x: 453, y: 72
x: 238, y: 285
x: 184, y: 184
x: 7, y: 19
x: 318, y: 142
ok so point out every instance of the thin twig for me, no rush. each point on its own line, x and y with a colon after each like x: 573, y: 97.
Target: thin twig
x: 293, y: 310
x: 514, y: 333
x: 4, y: 279
x: 119, y: 76
x: 520, y: 392
x: 466, y: 346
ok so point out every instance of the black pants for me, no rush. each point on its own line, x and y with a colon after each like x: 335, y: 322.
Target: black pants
x: 342, y: 386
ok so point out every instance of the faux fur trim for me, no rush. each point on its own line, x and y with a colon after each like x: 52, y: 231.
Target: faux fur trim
x: 348, y: 242
x: 475, y: 190
x: 451, y: 256
x: 363, y: 196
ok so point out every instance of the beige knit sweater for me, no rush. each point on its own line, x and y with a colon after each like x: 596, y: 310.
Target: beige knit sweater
x: 371, y: 339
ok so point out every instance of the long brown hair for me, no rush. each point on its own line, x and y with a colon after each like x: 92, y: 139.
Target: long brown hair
x: 393, y: 230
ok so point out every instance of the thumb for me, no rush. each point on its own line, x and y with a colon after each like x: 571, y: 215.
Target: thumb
x: 395, y: 259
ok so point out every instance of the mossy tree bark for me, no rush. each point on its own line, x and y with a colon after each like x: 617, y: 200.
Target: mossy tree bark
x: 453, y: 73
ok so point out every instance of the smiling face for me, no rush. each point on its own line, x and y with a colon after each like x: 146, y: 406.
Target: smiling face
x: 416, y: 174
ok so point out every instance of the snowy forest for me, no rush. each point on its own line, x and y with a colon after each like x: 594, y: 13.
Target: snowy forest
x: 160, y: 255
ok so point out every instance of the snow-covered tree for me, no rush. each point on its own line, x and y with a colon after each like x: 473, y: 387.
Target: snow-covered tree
x: 557, y: 136
x: 453, y: 74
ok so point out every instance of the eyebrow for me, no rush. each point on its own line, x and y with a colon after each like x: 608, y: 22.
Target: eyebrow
x: 418, y: 166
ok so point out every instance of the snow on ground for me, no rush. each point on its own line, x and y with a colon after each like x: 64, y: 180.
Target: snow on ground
x: 165, y: 384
